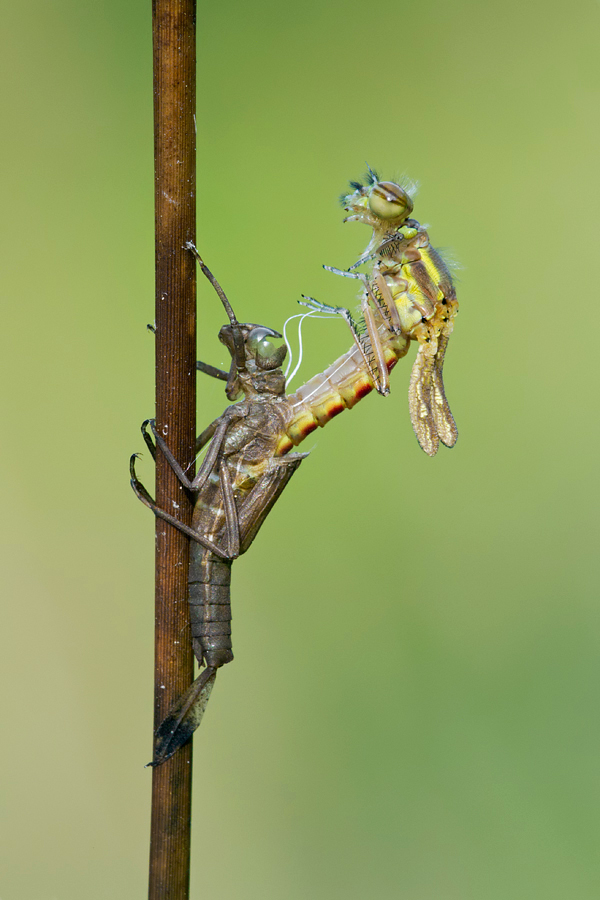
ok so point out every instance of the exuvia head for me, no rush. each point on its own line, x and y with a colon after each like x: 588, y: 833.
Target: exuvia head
x: 264, y: 348
x: 264, y: 352
x: 257, y: 352
x: 378, y: 202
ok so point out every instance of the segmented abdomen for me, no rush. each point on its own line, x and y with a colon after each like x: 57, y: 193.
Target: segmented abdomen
x: 209, y: 581
x: 339, y: 387
x: 210, y: 575
x: 210, y: 608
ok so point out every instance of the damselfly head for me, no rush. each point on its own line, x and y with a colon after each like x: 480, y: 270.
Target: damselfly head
x: 377, y: 200
x: 389, y: 201
x: 257, y: 353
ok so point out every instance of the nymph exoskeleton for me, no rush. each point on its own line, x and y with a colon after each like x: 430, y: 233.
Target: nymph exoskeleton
x: 238, y: 482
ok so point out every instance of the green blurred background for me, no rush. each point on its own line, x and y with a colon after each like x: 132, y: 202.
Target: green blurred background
x: 424, y: 725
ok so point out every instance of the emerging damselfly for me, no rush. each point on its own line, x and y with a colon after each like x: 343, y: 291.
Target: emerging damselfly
x: 408, y: 295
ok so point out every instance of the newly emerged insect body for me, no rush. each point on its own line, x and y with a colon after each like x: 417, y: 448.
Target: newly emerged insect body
x: 410, y: 288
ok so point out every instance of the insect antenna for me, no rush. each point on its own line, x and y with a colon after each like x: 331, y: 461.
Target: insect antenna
x: 371, y: 174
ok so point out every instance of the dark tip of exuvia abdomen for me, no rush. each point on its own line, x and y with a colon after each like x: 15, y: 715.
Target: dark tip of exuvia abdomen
x: 215, y: 658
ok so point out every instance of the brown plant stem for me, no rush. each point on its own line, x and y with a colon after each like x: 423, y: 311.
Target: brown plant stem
x: 174, y: 41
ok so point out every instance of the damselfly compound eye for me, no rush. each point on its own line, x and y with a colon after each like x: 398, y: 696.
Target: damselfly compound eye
x: 265, y: 344
x: 389, y: 201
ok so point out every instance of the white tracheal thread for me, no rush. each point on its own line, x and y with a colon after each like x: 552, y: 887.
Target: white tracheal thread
x: 301, y: 316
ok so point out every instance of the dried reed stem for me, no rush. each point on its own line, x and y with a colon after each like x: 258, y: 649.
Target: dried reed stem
x: 174, y: 41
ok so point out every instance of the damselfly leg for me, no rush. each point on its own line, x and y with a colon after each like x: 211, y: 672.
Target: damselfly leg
x: 376, y: 299
x: 209, y: 464
x: 213, y: 371
x: 360, y: 335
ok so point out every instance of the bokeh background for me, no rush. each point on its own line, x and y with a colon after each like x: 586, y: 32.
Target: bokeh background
x: 412, y: 714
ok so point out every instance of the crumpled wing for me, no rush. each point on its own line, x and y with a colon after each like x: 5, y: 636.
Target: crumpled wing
x: 444, y: 420
x: 420, y: 402
x: 430, y: 413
